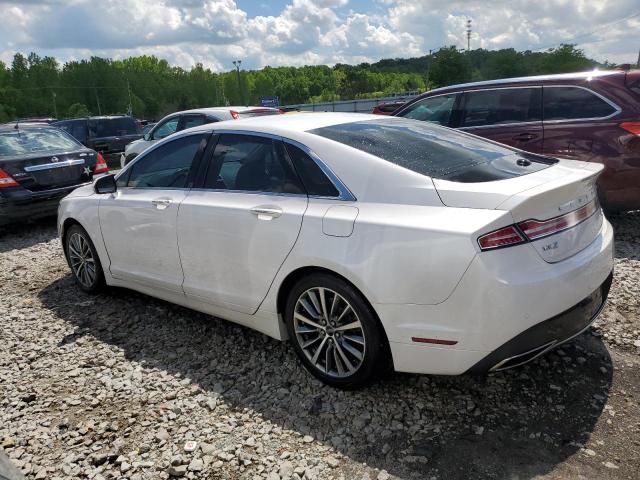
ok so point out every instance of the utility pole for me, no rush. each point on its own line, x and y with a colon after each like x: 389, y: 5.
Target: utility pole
x: 236, y: 63
x: 95, y: 90
x: 130, y: 112
x: 468, y: 35
x: 55, y: 106
x: 638, y: 64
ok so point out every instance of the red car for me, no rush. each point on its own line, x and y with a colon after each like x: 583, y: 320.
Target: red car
x: 386, y: 108
x: 592, y: 116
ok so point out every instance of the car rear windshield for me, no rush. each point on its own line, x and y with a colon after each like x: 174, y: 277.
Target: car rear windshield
x: 112, y: 127
x: 258, y: 112
x: 435, y: 151
x: 35, y: 140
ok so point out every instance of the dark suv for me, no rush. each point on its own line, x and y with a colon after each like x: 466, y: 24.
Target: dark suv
x: 107, y: 134
x: 592, y: 116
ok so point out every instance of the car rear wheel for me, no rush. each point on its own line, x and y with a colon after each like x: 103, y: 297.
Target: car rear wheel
x: 334, y: 332
x: 83, y: 260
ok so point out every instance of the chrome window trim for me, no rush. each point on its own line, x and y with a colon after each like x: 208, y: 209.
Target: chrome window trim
x: 49, y: 166
x: 250, y: 192
x: 496, y: 125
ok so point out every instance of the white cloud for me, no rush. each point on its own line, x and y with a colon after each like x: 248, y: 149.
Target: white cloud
x: 214, y: 32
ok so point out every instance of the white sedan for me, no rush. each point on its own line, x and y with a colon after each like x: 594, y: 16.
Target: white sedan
x: 368, y: 242
x: 178, y: 121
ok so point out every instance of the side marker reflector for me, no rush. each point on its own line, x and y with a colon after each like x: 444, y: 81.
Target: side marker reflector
x: 436, y: 341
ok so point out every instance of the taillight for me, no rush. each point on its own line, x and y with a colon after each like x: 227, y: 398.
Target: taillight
x: 503, y: 237
x: 101, y: 165
x: 7, y: 180
x: 235, y: 115
x: 535, y: 229
x: 631, y: 127
x: 531, y: 230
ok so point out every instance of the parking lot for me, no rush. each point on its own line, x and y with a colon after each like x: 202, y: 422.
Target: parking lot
x: 113, y: 386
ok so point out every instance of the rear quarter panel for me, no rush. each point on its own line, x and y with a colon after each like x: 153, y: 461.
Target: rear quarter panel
x: 400, y: 254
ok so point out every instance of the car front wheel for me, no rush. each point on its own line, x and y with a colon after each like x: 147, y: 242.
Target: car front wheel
x: 83, y: 260
x: 334, y: 332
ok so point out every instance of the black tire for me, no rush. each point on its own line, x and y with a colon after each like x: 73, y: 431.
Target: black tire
x: 339, y: 342
x: 88, y: 283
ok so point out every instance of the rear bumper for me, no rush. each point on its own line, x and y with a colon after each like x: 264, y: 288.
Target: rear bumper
x: 22, y: 204
x: 547, y: 335
x: 502, y: 296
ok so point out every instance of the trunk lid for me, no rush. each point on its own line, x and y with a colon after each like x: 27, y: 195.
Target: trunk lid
x: 546, y: 194
x: 38, y: 172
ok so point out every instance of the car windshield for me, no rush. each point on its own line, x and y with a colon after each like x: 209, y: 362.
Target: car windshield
x: 112, y: 127
x: 435, y: 151
x: 35, y: 140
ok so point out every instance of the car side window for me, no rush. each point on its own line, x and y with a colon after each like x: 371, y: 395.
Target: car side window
x: 251, y: 163
x: 168, y: 165
x: 436, y: 109
x: 189, y: 121
x: 501, y: 106
x: 165, y: 129
x: 566, y: 103
x: 78, y: 130
x: 316, y: 183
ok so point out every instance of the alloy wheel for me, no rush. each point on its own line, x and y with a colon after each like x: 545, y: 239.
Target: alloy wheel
x: 329, y: 332
x: 81, y: 258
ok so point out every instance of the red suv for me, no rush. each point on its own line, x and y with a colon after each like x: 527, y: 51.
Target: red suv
x: 593, y: 116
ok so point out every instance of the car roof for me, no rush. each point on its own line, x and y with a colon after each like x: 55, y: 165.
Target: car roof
x: 278, y: 124
x: 532, y: 79
x: 96, y: 117
x: 238, y: 109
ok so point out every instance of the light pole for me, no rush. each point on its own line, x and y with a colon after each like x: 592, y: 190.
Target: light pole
x: 236, y: 63
x: 55, y: 106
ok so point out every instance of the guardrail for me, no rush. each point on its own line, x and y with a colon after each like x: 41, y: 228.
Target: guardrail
x: 363, y: 105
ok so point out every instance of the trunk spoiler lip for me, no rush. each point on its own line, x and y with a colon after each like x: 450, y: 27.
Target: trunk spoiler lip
x: 595, y: 170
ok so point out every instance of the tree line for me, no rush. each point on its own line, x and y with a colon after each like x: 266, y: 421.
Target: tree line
x: 41, y: 86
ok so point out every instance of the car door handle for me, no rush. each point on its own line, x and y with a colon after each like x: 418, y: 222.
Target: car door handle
x: 266, y: 213
x: 525, y: 136
x: 161, y: 204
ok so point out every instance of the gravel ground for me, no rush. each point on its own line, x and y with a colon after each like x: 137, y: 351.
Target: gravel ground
x: 118, y: 385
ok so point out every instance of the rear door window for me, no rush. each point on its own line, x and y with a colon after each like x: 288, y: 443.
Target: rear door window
x: 435, y: 151
x: 189, y: 121
x: 436, y: 109
x: 572, y: 103
x: 500, y: 106
x: 253, y: 164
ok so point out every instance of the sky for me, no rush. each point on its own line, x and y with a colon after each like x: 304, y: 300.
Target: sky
x: 310, y: 32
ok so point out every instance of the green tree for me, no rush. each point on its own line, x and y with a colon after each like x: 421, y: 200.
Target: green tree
x: 564, y: 59
x: 78, y: 110
x: 449, y: 66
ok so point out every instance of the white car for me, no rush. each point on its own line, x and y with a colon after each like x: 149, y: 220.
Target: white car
x: 365, y: 241
x: 179, y: 121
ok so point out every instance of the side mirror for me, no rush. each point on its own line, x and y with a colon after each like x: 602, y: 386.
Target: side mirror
x: 146, y: 136
x: 106, y: 184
